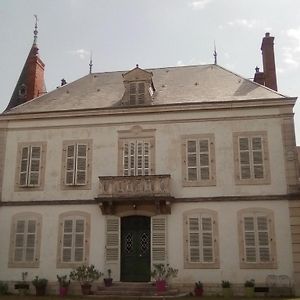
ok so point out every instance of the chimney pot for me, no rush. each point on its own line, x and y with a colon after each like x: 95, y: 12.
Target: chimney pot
x: 267, y: 34
x: 257, y: 69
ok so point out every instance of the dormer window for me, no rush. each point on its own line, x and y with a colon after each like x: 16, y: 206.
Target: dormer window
x: 23, y: 90
x: 139, y: 88
x: 136, y: 93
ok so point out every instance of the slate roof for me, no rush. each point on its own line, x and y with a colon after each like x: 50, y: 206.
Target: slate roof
x: 184, y: 84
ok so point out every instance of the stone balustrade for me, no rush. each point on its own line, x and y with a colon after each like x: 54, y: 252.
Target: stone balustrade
x: 134, y: 186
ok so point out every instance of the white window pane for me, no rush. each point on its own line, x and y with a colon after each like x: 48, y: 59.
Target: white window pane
x: 203, y: 145
x: 20, y: 228
x: 194, y: 240
x: 250, y: 255
x: 191, y: 146
x: 66, y: 256
x: 67, y: 240
x: 29, y: 254
x: 204, y: 173
x: 244, y: 143
x: 78, y: 254
x: 193, y: 224
x: 194, y: 254
x: 257, y: 143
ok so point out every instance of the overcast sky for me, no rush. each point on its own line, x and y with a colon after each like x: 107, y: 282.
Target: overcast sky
x: 152, y: 33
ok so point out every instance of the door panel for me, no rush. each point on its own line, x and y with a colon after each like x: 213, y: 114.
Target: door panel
x: 135, y: 248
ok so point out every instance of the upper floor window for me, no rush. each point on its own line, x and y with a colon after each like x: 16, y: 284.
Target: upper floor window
x: 198, y: 160
x: 76, y: 163
x: 201, y: 239
x: 31, y: 164
x: 251, y: 158
x: 25, y: 240
x: 256, y: 238
x: 74, y: 235
x: 136, y: 152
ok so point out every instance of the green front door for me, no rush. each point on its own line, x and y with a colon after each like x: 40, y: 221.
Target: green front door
x: 135, y: 248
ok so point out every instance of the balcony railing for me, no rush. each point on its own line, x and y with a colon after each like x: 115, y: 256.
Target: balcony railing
x: 134, y: 186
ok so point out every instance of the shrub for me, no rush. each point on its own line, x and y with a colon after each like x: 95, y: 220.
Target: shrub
x: 85, y: 274
x: 3, y: 288
x: 39, y: 282
x: 249, y: 283
x: 226, y: 284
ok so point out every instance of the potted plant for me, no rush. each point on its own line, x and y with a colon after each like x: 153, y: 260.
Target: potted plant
x: 23, y: 286
x: 40, y: 285
x: 63, y: 285
x: 198, y: 289
x: 108, y: 280
x: 226, y: 287
x: 85, y: 274
x: 249, y: 288
x: 161, y: 273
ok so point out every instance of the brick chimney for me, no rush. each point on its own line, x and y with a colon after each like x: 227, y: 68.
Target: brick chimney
x: 268, y: 76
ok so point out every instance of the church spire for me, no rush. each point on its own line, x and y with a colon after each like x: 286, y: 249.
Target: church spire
x: 31, y: 82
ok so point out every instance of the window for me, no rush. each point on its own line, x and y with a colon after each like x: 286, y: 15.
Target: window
x: 251, y: 158
x: 74, y: 228
x: 31, y: 162
x: 25, y: 240
x: 136, y: 157
x: 201, y: 239
x: 136, y: 93
x: 257, y: 242
x: 136, y: 152
x: 76, y: 164
x: 198, y: 160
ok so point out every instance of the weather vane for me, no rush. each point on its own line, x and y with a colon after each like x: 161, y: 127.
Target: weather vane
x: 91, y: 62
x: 215, y: 53
x: 35, y: 29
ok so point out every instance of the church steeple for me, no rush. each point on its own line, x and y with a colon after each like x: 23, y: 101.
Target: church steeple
x: 31, y: 83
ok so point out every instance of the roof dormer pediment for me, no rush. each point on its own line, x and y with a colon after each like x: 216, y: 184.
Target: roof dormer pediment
x: 137, y: 74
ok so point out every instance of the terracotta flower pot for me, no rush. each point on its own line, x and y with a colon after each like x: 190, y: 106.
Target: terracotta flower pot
x: 107, y: 281
x: 63, y: 291
x: 161, y: 285
x: 86, y: 289
x: 198, y: 292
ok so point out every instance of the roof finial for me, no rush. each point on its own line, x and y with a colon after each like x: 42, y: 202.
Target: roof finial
x: 137, y: 65
x: 91, y: 62
x: 35, y: 30
x: 215, y: 54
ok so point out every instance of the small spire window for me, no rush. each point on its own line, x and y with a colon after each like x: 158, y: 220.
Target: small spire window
x: 23, y: 90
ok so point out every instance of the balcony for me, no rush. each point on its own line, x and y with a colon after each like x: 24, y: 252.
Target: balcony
x: 134, y: 186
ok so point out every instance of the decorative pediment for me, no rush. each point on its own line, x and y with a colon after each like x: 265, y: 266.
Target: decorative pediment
x: 139, y: 88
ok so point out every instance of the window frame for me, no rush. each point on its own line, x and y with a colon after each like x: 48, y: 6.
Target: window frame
x: 212, y: 162
x: 257, y: 212
x: 42, y: 166
x: 136, y: 133
x: 266, y: 179
x: 88, y: 176
x: 73, y: 215
x: 25, y: 216
x: 215, y: 264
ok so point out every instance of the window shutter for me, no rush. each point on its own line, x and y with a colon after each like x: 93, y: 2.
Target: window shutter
x: 263, y: 239
x: 125, y: 159
x: 19, y: 240
x: 67, y: 240
x: 141, y: 93
x: 249, y: 239
x: 79, y: 240
x: 194, y: 239
x: 159, y: 239
x: 204, y: 159
x: 30, y: 241
x: 70, y: 165
x: 132, y: 159
x: 140, y: 157
x: 25, y: 151
x: 132, y: 93
x: 81, y: 164
x: 112, y: 239
x: 192, y: 160
x: 207, y: 239
x: 244, y: 150
x: 257, y: 152
x: 146, y: 160
x: 35, y: 163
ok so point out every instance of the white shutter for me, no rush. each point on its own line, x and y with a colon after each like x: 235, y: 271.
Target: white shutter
x: 30, y: 240
x: 207, y: 239
x: 159, y: 239
x: 141, y: 93
x: 263, y: 239
x: 19, y: 240
x: 204, y: 159
x: 191, y: 160
x: 125, y: 159
x: 79, y: 240
x: 70, y: 165
x: 146, y: 158
x: 112, y: 247
x: 257, y: 154
x: 25, y: 152
x: 35, y: 165
x: 67, y: 240
x: 244, y: 151
x: 132, y: 93
x: 81, y: 164
x: 249, y: 239
x: 194, y: 239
